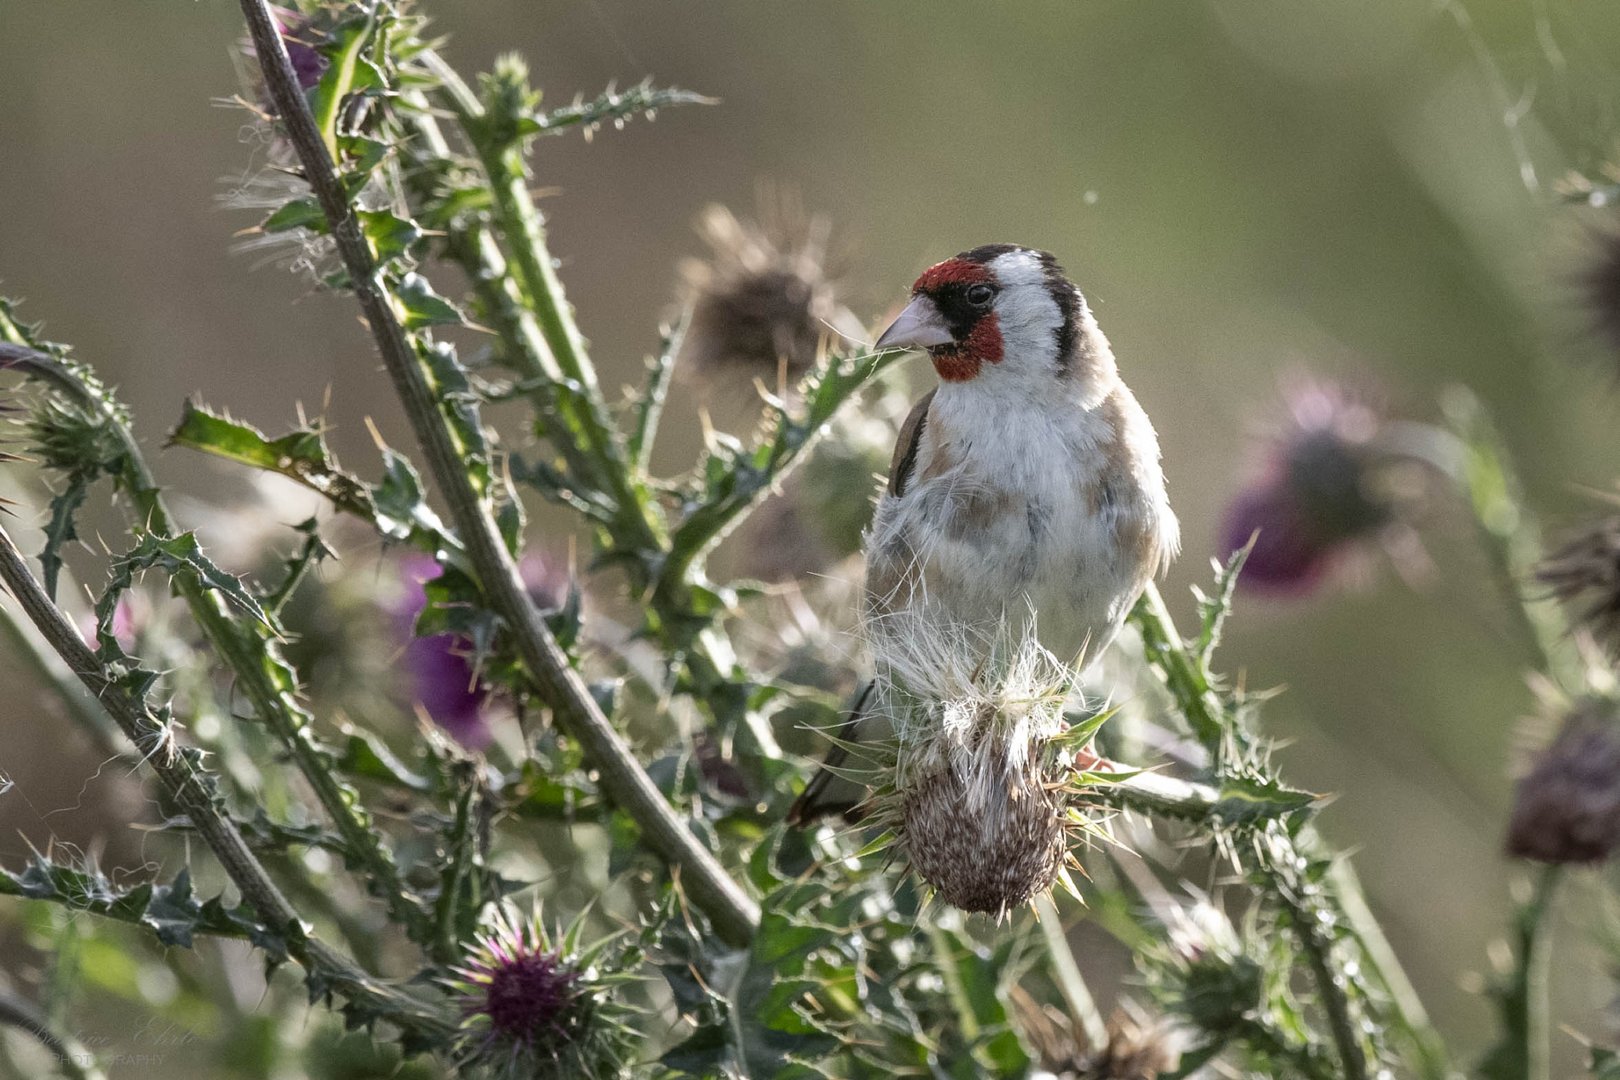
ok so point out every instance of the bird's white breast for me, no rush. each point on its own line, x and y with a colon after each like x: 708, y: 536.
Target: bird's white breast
x: 1022, y: 510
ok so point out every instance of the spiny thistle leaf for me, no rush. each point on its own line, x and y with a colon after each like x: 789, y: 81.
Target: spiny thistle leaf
x: 615, y: 107
x: 348, y: 72
x: 1249, y: 801
x: 396, y: 506
x: 175, y: 555
x: 172, y: 911
x: 747, y: 1004
x: 1216, y: 605
x: 418, y: 305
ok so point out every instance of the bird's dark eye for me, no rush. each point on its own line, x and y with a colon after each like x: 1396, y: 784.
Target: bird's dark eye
x: 980, y: 295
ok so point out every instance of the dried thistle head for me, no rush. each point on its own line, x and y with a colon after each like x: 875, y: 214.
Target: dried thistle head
x: 978, y: 781
x: 763, y: 301
x: 1137, y: 1049
x: 1584, y: 573
x: 1137, y: 1046
x: 1566, y: 808
x: 1600, y: 287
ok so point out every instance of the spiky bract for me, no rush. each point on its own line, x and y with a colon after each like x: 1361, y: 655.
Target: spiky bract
x: 977, y: 783
x: 532, y: 1007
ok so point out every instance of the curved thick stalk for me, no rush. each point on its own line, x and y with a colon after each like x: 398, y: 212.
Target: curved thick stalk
x: 249, y: 656
x: 73, y: 1059
x: 735, y: 915
x: 189, y: 787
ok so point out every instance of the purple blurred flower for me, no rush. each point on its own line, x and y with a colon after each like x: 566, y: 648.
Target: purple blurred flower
x: 307, y: 62
x: 126, y: 623
x: 1315, y: 500
x: 442, y: 678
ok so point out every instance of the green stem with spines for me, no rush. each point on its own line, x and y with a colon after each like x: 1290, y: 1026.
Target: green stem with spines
x: 191, y: 789
x: 251, y: 656
x: 735, y: 915
x: 1208, y: 716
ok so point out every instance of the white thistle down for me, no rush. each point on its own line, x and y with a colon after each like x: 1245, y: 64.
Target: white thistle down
x: 976, y: 781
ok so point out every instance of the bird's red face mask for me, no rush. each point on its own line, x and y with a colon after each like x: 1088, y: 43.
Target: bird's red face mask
x: 952, y: 315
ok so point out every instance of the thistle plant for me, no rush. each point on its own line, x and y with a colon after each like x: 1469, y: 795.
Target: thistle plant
x: 615, y: 738
x: 979, y: 782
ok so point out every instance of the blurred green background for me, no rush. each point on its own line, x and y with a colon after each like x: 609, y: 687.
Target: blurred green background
x: 1241, y: 187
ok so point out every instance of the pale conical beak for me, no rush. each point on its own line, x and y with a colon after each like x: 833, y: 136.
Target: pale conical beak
x: 920, y: 326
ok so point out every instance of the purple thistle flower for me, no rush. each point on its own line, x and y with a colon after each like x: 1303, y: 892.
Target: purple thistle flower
x: 1314, y: 501
x: 530, y: 1008
x: 443, y: 681
x: 307, y: 62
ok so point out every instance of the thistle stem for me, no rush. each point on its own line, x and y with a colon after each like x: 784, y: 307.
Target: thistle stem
x: 1507, y: 536
x: 945, y: 962
x: 254, y: 660
x: 1279, y: 855
x: 735, y: 916
x: 523, y: 228
x: 73, y: 1059
x: 1304, y: 913
x: 190, y: 788
x: 1082, y: 1006
x: 1187, y: 684
x: 1426, y: 1050
x: 1526, y: 1049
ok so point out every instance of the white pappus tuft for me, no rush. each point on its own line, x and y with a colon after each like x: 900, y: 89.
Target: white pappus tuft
x: 977, y: 782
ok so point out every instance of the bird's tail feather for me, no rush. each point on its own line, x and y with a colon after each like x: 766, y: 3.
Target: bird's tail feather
x: 829, y: 792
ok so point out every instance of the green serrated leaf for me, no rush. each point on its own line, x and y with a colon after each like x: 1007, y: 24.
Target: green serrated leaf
x: 390, y: 237
x: 177, y: 555
x: 60, y: 530
x: 1247, y: 801
x: 344, y: 75
x: 364, y: 755
x: 1213, y: 609
x: 418, y: 305
x: 297, y: 214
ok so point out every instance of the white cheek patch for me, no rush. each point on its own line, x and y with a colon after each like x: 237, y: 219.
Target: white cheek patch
x: 1029, y: 318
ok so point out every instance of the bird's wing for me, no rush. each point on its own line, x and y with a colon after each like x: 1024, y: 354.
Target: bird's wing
x: 828, y: 792
x: 904, y: 462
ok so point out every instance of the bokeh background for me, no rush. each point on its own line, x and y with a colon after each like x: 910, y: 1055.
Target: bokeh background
x: 1242, y: 188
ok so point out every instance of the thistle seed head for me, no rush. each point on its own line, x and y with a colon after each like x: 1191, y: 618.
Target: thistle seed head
x: 989, y: 839
x: 1137, y: 1047
x: 1566, y: 809
x: 1136, y: 1050
x: 1584, y: 574
x: 762, y: 301
x: 979, y: 786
